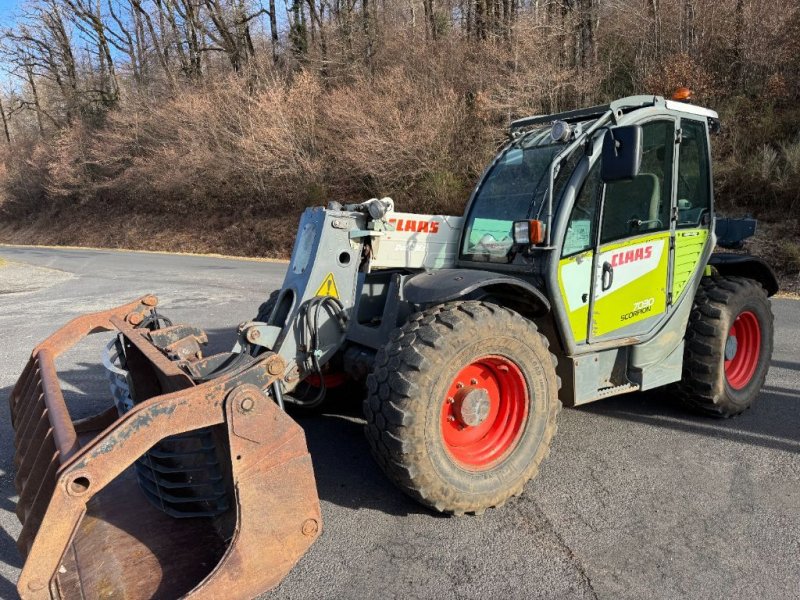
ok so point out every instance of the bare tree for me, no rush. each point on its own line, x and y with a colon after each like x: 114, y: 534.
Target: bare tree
x: 89, y: 19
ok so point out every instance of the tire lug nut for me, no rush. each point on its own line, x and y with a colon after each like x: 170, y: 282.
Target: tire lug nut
x: 459, y: 385
x: 473, y: 381
x: 450, y: 400
x: 451, y: 418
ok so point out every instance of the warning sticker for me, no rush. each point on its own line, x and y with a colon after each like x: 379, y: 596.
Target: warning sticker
x: 328, y: 287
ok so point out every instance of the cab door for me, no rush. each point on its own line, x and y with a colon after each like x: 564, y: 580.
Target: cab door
x: 576, y: 266
x: 634, y: 246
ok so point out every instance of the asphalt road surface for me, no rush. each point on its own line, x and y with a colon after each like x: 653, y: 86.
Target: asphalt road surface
x: 638, y: 499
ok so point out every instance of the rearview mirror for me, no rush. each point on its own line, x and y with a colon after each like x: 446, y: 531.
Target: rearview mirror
x: 622, y: 153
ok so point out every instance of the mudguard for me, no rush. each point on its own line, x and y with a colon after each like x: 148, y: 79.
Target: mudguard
x: 444, y: 285
x: 744, y: 265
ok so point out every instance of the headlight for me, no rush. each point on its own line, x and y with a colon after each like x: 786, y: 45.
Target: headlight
x: 522, y: 232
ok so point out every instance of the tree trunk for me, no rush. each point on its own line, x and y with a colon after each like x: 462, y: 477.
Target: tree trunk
x: 273, y: 29
x: 585, y: 34
x: 36, y: 103
x: 655, y: 14
x: 370, y: 42
x: 738, y: 45
x: 687, y: 28
x: 5, y: 122
x: 160, y: 51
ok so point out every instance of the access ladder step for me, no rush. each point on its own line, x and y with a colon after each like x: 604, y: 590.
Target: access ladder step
x: 617, y: 390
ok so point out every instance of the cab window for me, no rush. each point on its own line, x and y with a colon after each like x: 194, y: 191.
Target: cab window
x: 581, y: 227
x: 694, y: 182
x: 642, y: 205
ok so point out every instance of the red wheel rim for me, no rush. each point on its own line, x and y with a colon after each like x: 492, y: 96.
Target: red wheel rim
x: 742, y: 349
x: 497, y: 386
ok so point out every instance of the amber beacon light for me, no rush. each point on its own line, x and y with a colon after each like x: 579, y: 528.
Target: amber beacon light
x: 683, y: 94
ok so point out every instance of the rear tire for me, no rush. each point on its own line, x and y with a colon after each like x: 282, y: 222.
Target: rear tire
x: 728, y: 346
x: 462, y: 405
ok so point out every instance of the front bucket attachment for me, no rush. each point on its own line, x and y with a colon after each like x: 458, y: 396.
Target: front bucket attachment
x: 111, y: 507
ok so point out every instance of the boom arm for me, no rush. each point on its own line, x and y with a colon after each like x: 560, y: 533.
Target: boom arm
x: 310, y: 318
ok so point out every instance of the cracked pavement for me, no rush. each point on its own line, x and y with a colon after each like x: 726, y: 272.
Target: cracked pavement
x: 639, y: 499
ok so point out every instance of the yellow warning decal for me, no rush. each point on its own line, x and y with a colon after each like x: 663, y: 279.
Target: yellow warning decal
x: 328, y: 287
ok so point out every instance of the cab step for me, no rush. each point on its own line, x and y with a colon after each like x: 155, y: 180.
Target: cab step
x: 617, y: 390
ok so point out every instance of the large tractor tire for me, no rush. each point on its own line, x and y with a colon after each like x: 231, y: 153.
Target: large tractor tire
x: 462, y: 406
x: 728, y: 346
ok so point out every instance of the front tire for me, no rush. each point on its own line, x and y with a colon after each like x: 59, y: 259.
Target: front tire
x: 461, y: 406
x: 728, y: 346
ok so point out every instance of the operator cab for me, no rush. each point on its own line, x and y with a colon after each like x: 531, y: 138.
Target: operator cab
x: 516, y: 188
x: 593, y: 200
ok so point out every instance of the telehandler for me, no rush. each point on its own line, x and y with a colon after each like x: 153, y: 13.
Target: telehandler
x: 582, y: 268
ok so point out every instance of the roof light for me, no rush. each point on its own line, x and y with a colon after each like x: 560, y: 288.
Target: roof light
x: 561, y: 131
x: 683, y: 94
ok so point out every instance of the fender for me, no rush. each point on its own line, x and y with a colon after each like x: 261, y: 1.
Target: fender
x: 748, y: 266
x: 444, y: 285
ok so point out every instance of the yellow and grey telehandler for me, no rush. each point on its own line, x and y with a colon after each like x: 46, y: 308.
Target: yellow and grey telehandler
x: 583, y: 268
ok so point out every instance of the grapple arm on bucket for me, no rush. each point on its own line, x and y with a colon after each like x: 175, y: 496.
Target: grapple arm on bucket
x: 59, y: 479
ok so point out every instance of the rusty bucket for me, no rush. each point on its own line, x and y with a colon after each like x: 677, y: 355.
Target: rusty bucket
x: 197, y: 491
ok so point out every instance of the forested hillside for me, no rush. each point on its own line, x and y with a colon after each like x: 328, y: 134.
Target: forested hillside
x: 209, y: 124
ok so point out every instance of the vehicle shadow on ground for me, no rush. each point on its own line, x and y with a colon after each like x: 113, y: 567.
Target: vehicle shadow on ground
x: 9, y: 555
x: 346, y: 473
x: 772, y: 422
x: 785, y: 364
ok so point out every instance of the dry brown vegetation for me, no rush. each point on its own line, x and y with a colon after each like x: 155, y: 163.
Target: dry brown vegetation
x: 209, y: 124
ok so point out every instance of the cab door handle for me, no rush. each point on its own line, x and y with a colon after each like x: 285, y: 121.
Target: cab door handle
x: 607, y: 279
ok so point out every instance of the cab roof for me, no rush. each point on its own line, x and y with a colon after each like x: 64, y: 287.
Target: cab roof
x: 617, y: 108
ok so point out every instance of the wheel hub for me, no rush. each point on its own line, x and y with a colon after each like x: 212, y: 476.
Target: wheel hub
x: 471, y: 406
x: 731, y: 345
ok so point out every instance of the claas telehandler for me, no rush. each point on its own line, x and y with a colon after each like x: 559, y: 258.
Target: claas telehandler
x: 583, y: 268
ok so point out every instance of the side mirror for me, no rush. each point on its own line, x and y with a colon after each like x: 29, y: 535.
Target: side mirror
x: 622, y: 153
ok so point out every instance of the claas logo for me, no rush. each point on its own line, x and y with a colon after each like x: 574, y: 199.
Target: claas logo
x: 415, y: 226
x: 629, y: 256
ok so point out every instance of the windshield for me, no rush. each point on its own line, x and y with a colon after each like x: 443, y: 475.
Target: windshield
x: 515, y: 189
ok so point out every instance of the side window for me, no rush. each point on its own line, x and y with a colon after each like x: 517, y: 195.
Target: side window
x: 643, y: 204
x: 694, y: 190
x: 580, y: 229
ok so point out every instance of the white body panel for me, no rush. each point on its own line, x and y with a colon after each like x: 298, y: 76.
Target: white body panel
x: 691, y: 109
x: 417, y: 242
